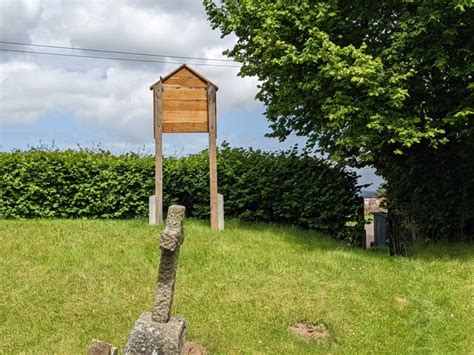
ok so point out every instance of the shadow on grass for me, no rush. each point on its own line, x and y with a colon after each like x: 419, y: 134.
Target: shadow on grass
x: 304, y: 239
x: 308, y: 240
x: 312, y: 240
x: 441, y: 251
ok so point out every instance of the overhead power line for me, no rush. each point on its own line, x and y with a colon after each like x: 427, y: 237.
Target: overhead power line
x: 115, y: 52
x: 115, y: 58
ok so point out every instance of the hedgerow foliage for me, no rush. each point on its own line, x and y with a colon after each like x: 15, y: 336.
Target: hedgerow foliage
x: 284, y: 187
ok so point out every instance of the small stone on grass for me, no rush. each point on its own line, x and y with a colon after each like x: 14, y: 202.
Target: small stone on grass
x: 99, y: 347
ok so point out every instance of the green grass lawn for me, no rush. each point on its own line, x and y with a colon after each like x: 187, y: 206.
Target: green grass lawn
x: 64, y: 282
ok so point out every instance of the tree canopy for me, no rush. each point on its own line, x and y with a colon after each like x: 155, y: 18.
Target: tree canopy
x: 357, y: 77
x: 381, y: 83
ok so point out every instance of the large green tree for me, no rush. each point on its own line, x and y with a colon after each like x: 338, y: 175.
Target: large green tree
x: 382, y: 83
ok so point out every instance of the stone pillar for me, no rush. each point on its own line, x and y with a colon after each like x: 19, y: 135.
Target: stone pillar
x: 220, y: 212
x: 369, y: 236
x: 171, y: 239
x: 151, y: 210
x: 158, y: 332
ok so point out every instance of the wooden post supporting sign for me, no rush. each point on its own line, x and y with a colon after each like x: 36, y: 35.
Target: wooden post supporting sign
x: 184, y: 101
x: 158, y: 130
x: 211, y: 111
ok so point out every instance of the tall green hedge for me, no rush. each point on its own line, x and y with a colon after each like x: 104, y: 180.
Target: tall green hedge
x: 284, y: 187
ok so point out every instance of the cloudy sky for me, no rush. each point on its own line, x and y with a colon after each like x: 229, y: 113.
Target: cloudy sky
x: 72, y: 101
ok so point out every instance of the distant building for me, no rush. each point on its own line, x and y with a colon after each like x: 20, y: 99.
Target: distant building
x: 372, y: 204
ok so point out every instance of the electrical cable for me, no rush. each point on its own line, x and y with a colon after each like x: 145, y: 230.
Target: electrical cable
x: 116, y: 58
x: 114, y: 51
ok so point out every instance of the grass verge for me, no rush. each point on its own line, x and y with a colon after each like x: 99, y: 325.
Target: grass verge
x: 64, y: 282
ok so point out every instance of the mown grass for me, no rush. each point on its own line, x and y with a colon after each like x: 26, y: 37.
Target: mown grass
x: 64, y: 282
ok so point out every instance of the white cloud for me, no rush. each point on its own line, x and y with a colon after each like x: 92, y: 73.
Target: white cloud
x: 17, y: 18
x: 102, y: 94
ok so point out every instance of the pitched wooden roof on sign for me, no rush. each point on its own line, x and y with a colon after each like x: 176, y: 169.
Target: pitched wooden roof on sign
x: 183, y: 100
x: 184, y: 68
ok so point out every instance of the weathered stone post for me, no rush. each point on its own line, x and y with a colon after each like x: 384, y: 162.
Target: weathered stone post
x: 158, y: 332
x: 171, y: 239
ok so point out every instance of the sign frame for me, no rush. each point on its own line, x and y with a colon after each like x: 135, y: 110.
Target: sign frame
x: 175, y: 114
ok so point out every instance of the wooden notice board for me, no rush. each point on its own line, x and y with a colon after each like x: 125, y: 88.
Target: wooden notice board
x: 184, y: 101
x: 185, y: 107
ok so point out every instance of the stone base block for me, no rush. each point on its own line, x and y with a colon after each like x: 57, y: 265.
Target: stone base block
x: 369, y: 236
x: 151, y: 210
x: 150, y: 337
x: 220, y: 212
x: 98, y: 347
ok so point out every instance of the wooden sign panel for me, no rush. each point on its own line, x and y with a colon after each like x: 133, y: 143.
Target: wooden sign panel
x: 185, y: 106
